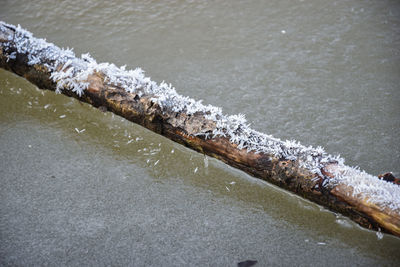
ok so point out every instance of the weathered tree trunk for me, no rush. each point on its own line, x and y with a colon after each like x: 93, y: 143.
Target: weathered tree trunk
x: 309, y: 172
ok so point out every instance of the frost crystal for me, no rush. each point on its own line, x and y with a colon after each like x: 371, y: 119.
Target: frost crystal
x: 71, y: 73
x: 365, y: 185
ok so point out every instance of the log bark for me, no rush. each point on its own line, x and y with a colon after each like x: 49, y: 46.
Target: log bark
x: 330, y: 183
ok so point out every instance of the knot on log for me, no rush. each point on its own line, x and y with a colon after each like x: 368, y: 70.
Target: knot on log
x: 389, y: 177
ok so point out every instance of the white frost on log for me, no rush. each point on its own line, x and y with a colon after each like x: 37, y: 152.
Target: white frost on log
x: 71, y: 73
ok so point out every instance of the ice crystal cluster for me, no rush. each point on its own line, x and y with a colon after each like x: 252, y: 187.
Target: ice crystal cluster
x: 71, y: 73
x: 365, y: 185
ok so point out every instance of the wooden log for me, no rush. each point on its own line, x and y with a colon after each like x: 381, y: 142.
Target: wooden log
x: 309, y: 172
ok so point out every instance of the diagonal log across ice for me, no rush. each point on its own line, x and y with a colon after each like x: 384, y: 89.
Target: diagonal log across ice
x: 307, y: 171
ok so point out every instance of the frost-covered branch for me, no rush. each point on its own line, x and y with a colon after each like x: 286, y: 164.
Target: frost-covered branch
x: 308, y: 171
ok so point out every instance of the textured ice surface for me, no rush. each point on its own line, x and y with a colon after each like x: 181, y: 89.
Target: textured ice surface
x: 114, y: 213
